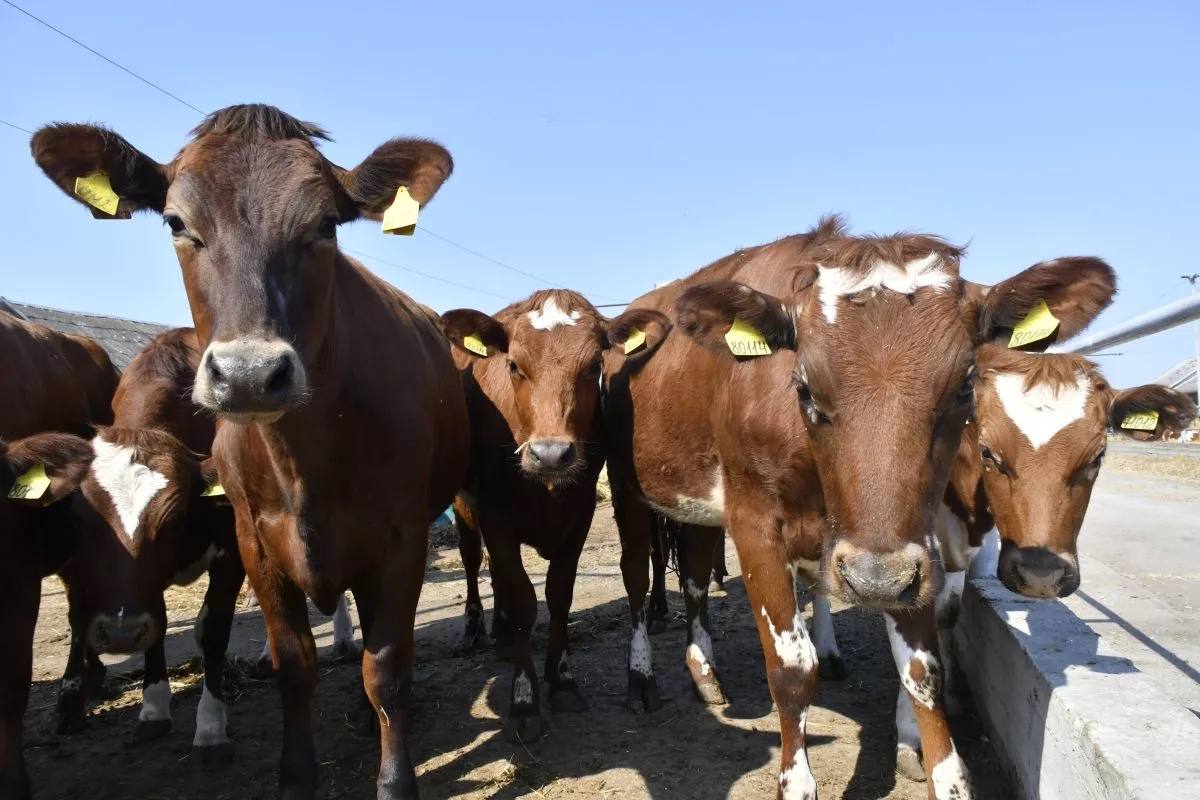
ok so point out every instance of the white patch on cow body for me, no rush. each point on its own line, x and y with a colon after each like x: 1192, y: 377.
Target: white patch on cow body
x: 697, y: 593
x: 1042, y: 411
x: 522, y: 690
x: 343, y: 626
x: 838, y: 282
x: 950, y: 778
x: 191, y: 573
x: 211, y: 721
x: 797, y: 781
x: 550, y: 316
x: 823, y: 634
x: 924, y: 691
x: 130, y: 486
x: 156, y: 702
x: 639, y: 650
x: 707, y: 511
x: 700, y: 650
x: 793, y: 646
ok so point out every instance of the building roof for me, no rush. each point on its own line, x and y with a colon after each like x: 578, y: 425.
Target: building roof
x: 122, y: 339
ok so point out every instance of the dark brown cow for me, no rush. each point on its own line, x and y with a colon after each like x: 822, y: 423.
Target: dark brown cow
x: 343, y: 425
x: 537, y: 446
x: 826, y: 464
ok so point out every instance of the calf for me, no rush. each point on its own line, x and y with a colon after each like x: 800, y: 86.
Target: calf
x: 537, y: 448
x: 343, y: 429
x: 825, y: 464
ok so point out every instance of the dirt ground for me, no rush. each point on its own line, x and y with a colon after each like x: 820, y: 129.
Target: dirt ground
x: 683, y: 750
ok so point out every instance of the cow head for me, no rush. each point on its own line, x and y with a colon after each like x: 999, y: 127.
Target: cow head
x: 882, y: 331
x: 1042, y: 435
x: 253, y: 209
x: 143, y: 526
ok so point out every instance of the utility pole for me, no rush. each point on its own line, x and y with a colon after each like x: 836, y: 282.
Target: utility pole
x: 1194, y: 280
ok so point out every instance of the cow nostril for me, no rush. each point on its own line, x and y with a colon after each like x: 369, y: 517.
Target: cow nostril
x: 215, y: 375
x: 280, y: 377
x: 911, y: 592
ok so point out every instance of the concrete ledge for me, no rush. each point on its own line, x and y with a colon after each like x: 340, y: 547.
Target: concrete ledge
x: 1074, y: 719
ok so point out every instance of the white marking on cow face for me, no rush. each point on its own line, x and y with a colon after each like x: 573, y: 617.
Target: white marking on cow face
x: 926, y: 690
x: 211, y: 720
x: 707, y: 511
x: 700, y: 650
x: 156, y: 702
x: 793, y: 646
x: 550, y: 316
x: 192, y: 572
x: 343, y: 626
x: 837, y: 282
x: 797, y: 781
x: 950, y: 778
x: 130, y: 486
x: 823, y: 634
x: 639, y: 649
x: 522, y: 689
x: 1042, y: 411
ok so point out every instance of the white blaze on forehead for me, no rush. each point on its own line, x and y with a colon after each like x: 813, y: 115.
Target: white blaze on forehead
x: 550, y: 316
x: 837, y: 282
x: 1044, y: 410
x: 793, y: 647
x: 130, y: 485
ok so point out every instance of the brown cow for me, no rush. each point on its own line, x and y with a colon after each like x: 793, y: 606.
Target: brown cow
x: 343, y: 424
x: 826, y: 464
x: 537, y: 446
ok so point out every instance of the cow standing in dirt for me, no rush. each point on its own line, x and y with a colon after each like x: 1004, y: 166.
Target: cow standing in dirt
x: 532, y: 378
x: 824, y: 464
x: 343, y: 425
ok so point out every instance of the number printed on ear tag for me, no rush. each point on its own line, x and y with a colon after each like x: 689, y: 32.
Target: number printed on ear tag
x: 744, y: 340
x: 635, y: 340
x: 401, y: 217
x: 1140, y: 421
x: 1037, y: 325
x: 32, y: 485
x: 475, y: 344
x: 96, y: 190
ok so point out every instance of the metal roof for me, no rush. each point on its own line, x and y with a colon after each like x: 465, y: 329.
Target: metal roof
x: 122, y: 339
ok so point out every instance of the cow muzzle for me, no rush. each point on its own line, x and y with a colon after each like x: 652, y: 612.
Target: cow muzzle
x: 551, y: 459
x: 122, y: 633
x: 1038, y: 571
x: 250, y: 379
x: 891, y: 580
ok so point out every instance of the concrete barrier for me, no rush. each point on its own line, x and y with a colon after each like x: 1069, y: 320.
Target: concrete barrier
x: 1073, y: 718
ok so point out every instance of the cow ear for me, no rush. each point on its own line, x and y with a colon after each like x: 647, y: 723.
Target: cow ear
x: 1175, y: 409
x: 1075, y: 290
x: 68, y: 153
x: 638, y: 332
x: 50, y: 467
x: 209, y: 482
x: 706, y: 313
x: 418, y: 164
x: 475, y: 332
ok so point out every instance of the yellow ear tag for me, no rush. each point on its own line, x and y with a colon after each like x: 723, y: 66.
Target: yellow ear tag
x: 30, y: 486
x: 215, y: 489
x: 1140, y: 421
x: 1037, y: 325
x: 401, y: 216
x: 96, y: 191
x: 635, y: 340
x: 475, y: 345
x: 743, y: 340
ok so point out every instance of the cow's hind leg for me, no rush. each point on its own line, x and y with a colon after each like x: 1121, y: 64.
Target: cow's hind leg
x: 662, y: 538
x: 524, y: 721
x: 825, y: 638
x: 560, y: 588
x: 18, y: 616
x: 225, y: 575
x: 470, y: 549
x: 636, y: 526
x: 913, y: 637
x: 72, y: 699
x: 695, y: 565
x: 154, y: 719
x: 719, y: 571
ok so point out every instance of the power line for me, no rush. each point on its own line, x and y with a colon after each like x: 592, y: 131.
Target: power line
x: 361, y: 254
x: 9, y: 124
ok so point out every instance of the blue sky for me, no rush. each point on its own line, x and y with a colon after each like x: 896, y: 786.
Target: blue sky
x: 607, y: 146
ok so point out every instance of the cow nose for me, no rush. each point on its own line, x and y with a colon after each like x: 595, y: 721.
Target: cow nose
x: 1038, y: 572
x: 551, y: 453
x: 887, y: 580
x: 121, y: 633
x: 249, y: 377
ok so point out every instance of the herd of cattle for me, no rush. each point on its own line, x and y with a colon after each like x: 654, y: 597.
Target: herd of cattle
x: 855, y: 414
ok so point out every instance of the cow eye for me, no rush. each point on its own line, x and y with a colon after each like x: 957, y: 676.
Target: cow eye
x: 966, y: 392
x: 1098, y: 459
x: 514, y: 370
x: 991, y: 461
x: 175, y: 224
x: 328, y: 228
x: 809, y: 404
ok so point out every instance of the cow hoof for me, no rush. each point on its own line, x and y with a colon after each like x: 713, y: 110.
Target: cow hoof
x: 474, y: 639
x: 345, y: 650
x: 213, y: 755
x: 710, y: 693
x: 641, y: 697
x: 524, y: 726
x: 148, y: 730
x: 565, y: 697
x: 832, y: 668
x: 908, y: 764
x: 716, y: 587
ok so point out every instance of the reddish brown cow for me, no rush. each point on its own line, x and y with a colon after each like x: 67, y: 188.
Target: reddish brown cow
x: 537, y: 438
x: 343, y: 425
x: 824, y: 464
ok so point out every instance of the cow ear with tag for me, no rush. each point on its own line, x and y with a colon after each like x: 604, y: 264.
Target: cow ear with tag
x: 1047, y: 303
x: 638, y: 332
x: 100, y: 169
x: 45, y: 468
x: 733, y: 318
x: 390, y: 185
x: 210, y: 485
x: 474, y: 332
x: 1151, y: 409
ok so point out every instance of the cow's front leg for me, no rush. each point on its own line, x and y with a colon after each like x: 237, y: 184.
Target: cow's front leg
x: 913, y: 637
x: 225, y: 576
x: 344, y: 648
x: 695, y: 564
x: 719, y: 570
x: 470, y: 550
x: 154, y: 719
x: 946, y: 607
x: 636, y: 525
x: 72, y: 699
x: 663, y: 537
x: 18, y: 616
x: 825, y: 638
x: 524, y: 720
x: 560, y: 589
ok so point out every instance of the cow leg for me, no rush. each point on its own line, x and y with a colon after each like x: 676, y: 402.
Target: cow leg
x: 18, y: 616
x: 695, y: 563
x: 946, y: 607
x: 635, y: 524
x: 225, y: 575
x: 560, y: 589
x: 154, y: 719
x: 656, y: 609
x: 791, y: 659
x: 913, y: 637
x: 71, y: 696
x: 470, y: 549
x: 344, y: 648
x: 524, y: 720
x: 719, y: 570
x: 388, y: 658
x: 832, y: 666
